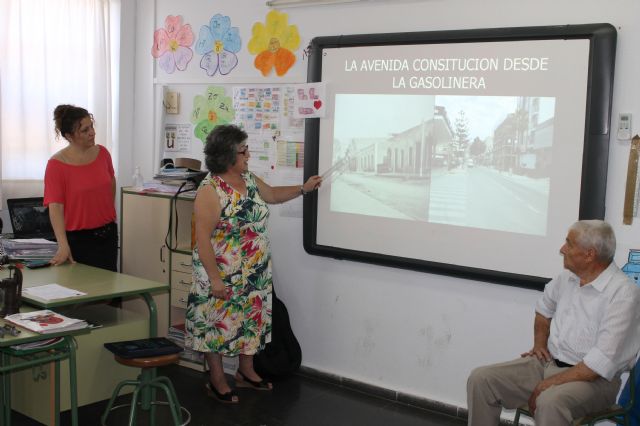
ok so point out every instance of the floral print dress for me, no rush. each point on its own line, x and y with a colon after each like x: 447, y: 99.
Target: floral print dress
x: 241, y: 324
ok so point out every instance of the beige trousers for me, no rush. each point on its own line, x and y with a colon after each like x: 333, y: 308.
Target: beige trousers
x: 509, y: 385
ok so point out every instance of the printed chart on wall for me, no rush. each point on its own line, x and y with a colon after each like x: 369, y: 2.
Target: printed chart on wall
x: 269, y: 114
x: 276, y: 138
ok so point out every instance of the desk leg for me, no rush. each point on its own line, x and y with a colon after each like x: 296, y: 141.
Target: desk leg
x: 73, y: 382
x: 56, y: 406
x: 6, y: 392
x: 153, y: 315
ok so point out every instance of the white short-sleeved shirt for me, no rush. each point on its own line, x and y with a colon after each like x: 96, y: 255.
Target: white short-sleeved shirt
x: 598, y: 323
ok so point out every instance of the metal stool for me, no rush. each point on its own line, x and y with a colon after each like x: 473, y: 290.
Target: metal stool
x: 144, y: 392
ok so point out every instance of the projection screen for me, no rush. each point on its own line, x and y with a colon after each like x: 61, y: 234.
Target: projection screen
x: 466, y: 153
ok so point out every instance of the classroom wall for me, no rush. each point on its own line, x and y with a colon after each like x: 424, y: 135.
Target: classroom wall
x: 408, y: 331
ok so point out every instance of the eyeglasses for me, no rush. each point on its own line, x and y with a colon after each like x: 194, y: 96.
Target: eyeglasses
x: 244, y: 150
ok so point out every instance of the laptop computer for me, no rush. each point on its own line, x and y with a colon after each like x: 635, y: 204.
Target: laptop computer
x: 29, y: 218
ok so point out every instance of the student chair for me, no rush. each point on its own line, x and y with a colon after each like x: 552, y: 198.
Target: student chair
x: 144, y: 390
x: 619, y: 414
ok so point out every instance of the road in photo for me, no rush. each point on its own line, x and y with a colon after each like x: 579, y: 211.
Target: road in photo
x: 482, y: 197
x: 480, y: 162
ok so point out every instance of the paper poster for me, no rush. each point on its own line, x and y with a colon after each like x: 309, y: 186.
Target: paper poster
x: 274, y: 43
x: 290, y: 154
x: 309, y: 101
x: 257, y: 108
x: 210, y: 110
x: 177, y: 137
x: 172, y: 45
x: 218, y: 44
x: 289, y: 120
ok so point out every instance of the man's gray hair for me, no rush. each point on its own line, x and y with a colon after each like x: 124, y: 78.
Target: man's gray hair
x: 596, y: 234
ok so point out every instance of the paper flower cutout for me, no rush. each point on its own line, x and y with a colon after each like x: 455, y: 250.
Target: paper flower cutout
x: 274, y: 44
x: 219, y: 42
x: 211, y: 110
x: 171, y: 44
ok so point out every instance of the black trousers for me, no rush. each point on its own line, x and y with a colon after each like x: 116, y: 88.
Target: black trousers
x: 96, y: 247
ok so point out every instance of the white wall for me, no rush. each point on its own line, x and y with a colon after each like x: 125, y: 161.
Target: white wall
x: 403, y: 330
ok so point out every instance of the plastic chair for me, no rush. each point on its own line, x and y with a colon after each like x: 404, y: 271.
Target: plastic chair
x: 144, y: 391
x: 616, y: 413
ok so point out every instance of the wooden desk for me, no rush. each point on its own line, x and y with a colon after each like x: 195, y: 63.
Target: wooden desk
x: 100, y: 285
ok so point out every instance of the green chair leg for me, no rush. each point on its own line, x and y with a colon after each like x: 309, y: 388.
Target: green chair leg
x: 114, y: 395
x: 134, y: 407
x: 172, y: 402
x: 172, y: 394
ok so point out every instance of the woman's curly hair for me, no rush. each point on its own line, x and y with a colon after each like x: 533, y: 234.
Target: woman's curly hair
x: 221, y: 149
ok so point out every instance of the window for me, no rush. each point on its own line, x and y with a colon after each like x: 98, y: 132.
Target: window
x: 53, y: 52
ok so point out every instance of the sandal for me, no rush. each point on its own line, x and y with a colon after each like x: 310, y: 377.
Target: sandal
x: 225, y: 398
x: 244, y: 382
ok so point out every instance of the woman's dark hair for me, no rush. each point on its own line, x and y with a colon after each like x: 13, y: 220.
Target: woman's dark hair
x: 68, y: 117
x: 221, y: 150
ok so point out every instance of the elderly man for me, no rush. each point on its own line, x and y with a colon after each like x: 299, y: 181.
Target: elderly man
x: 586, y: 333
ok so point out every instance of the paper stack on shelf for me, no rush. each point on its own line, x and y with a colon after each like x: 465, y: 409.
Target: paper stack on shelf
x: 45, y: 321
x: 176, y: 172
x: 176, y: 335
x: 158, y: 186
x: 39, y: 344
x: 177, y: 175
x: 29, y: 249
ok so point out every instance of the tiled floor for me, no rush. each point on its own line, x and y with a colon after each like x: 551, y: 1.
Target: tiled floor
x: 297, y: 401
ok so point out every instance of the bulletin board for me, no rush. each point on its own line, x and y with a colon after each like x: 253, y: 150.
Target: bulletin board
x: 223, y: 66
x: 265, y: 112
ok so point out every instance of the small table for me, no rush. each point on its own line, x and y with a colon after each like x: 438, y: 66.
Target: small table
x: 59, y: 352
x: 99, y: 285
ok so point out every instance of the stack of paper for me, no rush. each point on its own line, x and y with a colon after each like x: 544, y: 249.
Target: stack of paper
x: 178, y: 175
x: 37, y: 344
x: 155, y: 186
x: 45, y: 321
x: 176, y: 335
x: 51, y: 292
x: 29, y: 249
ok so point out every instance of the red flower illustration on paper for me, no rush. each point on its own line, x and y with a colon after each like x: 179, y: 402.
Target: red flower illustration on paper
x: 171, y: 44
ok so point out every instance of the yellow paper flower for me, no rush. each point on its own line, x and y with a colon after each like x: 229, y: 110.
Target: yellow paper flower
x: 274, y: 43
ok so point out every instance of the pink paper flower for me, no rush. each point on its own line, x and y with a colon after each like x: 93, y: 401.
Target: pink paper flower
x: 171, y: 44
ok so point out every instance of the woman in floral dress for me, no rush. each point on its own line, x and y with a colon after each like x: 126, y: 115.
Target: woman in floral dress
x: 229, y: 305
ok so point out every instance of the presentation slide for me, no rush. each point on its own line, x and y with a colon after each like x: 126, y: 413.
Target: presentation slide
x: 467, y: 154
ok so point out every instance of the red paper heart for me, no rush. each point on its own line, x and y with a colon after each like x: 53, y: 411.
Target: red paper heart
x: 317, y: 104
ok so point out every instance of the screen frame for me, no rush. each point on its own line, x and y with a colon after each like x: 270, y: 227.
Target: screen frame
x: 602, y: 42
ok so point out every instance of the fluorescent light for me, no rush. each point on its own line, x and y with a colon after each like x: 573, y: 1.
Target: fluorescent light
x: 300, y: 3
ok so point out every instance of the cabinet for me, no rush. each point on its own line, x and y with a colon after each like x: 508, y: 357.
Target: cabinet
x: 156, y: 244
x: 143, y: 252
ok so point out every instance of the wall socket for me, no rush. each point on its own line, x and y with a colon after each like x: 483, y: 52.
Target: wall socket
x: 172, y: 102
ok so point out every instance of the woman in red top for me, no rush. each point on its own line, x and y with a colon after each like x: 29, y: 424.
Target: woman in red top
x: 79, y: 189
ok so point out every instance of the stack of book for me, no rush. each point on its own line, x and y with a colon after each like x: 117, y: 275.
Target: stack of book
x: 45, y: 322
x: 176, y: 335
x: 29, y: 249
x: 178, y: 175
